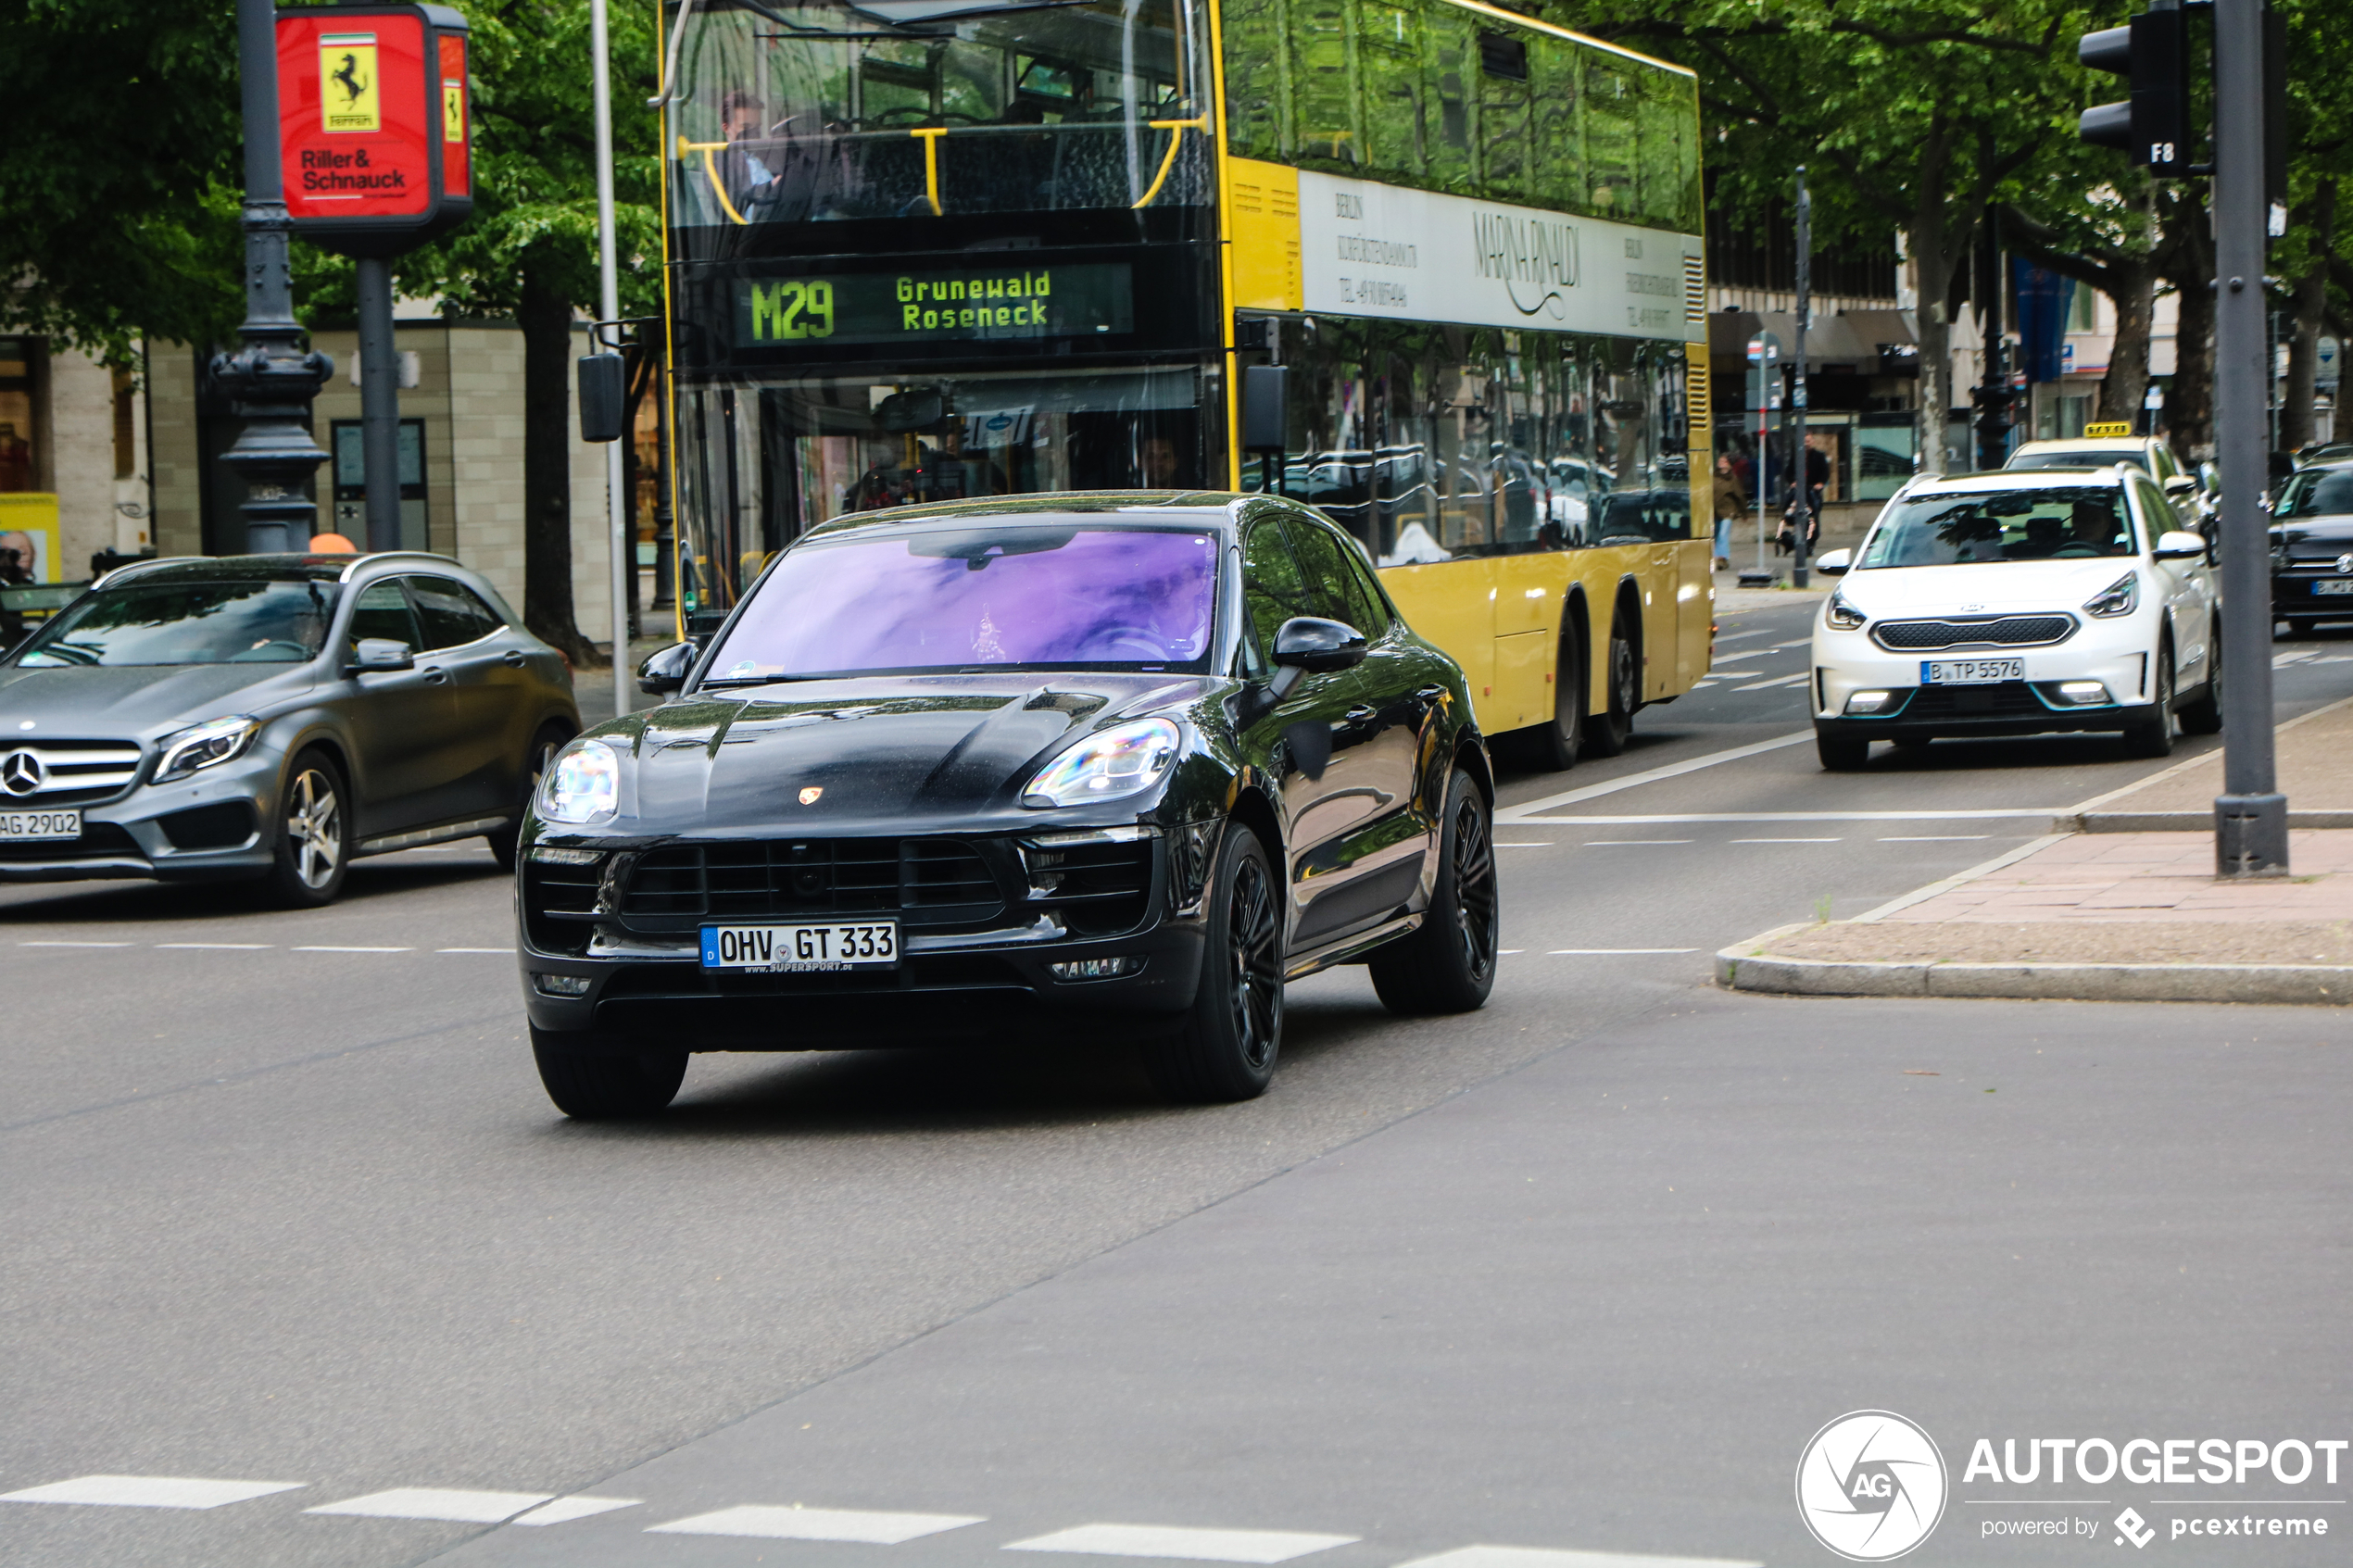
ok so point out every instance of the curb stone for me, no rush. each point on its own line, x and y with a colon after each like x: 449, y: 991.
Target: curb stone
x: 1751, y: 966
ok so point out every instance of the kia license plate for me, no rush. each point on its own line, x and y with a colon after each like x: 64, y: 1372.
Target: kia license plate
x: 2338, y: 585
x: 802, y: 949
x: 1971, y: 671
x: 39, y: 824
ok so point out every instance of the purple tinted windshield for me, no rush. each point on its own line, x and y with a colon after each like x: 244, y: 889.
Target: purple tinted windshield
x: 953, y: 600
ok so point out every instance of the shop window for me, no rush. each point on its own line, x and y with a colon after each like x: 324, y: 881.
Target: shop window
x: 20, y: 454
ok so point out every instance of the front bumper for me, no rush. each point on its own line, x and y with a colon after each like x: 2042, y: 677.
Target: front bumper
x: 2324, y: 594
x: 950, y: 984
x: 2115, y: 654
x: 207, y: 826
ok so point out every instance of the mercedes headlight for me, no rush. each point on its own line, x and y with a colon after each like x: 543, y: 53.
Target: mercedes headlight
x: 2119, y: 597
x: 1124, y: 760
x: 583, y: 785
x: 205, y: 746
x: 1840, y: 614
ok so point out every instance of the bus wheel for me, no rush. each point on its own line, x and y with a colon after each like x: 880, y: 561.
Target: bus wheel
x: 1554, y: 747
x: 1609, y: 729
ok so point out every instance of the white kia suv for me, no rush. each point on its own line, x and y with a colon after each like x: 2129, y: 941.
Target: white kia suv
x: 2018, y: 603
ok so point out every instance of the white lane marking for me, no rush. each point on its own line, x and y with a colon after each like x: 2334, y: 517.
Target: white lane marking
x: 1528, y: 1557
x: 1937, y: 838
x: 150, y: 1491
x: 2335, y: 658
x: 1601, y: 952
x: 353, y: 949
x: 1635, y: 781
x: 1629, y: 842
x: 1785, y: 841
x: 458, y: 1504
x: 1507, y: 952
x: 220, y: 947
x: 503, y: 952
x: 1196, y: 1546
x: 73, y: 944
x: 1776, y: 680
x: 2281, y: 660
x: 1741, y: 636
x: 1732, y: 674
x: 816, y: 1525
x: 565, y: 1509
x: 1813, y: 817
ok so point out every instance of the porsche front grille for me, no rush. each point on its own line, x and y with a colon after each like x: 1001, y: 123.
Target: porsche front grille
x: 922, y: 881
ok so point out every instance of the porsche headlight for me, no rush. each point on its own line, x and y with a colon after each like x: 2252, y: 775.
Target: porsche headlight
x: 583, y: 785
x: 1840, y: 614
x: 204, y: 745
x: 1124, y: 760
x: 2119, y: 597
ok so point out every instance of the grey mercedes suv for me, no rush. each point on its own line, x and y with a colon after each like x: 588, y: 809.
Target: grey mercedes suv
x: 272, y: 717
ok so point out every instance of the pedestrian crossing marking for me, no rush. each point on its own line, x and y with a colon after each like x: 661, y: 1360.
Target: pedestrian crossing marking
x: 455, y: 1504
x: 816, y: 1525
x: 150, y: 1491
x: 1190, y: 1544
x: 563, y: 1511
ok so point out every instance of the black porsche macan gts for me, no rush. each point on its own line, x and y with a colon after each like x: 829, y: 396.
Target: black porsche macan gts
x: 1130, y: 759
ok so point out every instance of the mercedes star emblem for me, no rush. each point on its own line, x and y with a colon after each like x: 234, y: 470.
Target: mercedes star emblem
x: 2345, y: 564
x: 22, y: 772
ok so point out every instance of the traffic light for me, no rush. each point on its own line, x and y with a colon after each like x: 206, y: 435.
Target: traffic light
x: 2152, y: 52
x: 1995, y: 417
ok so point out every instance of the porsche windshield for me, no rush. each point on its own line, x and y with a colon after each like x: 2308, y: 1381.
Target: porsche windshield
x: 1057, y: 596
x: 253, y: 622
x: 2000, y: 525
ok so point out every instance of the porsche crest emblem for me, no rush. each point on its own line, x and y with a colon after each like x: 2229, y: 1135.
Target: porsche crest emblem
x: 808, y: 797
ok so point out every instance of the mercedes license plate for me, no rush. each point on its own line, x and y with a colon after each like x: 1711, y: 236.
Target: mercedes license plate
x: 802, y: 949
x: 39, y: 824
x: 1971, y: 671
x: 2340, y: 585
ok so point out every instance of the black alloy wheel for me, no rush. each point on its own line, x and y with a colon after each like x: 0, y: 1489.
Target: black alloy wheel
x: 1449, y: 964
x: 507, y: 842
x: 1610, y: 730
x: 593, y: 1077
x: 1225, y: 1046
x: 311, y: 836
x: 2202, y: 715
x: 2154, y: 737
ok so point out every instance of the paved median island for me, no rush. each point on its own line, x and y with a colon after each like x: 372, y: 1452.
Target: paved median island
x: 2110, y: 914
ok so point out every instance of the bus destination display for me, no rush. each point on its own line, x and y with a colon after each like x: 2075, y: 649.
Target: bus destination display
x: 976, y: 306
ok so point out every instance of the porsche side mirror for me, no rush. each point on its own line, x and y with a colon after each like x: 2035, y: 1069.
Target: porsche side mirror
x: 374, y: 655
x: 2178, y: 543
x: 1317, y: 647
x: 1834, y: 563
x: 665, y: 670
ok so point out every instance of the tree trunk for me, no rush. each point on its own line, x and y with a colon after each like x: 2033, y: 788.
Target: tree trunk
x: 2189, y: 412
x: 2312, y: 308
x: 546, y: 317
x: 1934, y: 272
x: 2126, y: 385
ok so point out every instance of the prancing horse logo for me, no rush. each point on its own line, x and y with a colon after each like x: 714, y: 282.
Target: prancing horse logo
x: 22, y: 772
x: 808, y: 797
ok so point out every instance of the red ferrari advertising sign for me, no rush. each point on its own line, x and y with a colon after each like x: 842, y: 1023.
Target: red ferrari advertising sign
x: 373, y: 125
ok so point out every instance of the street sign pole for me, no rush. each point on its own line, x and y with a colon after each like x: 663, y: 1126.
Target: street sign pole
x: 608, y: 304
x: 379, y: 403
x: 271, y: 378
x: 2250, y: 816
x: 1801, y: 479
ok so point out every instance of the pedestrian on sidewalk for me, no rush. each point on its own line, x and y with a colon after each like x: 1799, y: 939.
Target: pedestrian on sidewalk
x: 1732, y: 505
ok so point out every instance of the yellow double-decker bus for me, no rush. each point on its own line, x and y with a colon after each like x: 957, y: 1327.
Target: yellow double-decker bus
x: 1429, y: 265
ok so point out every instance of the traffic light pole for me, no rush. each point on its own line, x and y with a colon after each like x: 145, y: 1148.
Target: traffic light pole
x: 1802, y: 510
x: 2250, y: 816
x: 379, y: 403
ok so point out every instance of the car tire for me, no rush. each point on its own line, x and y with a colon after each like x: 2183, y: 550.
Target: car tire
x: 508, y: 841
x: 1608, y: 731
x: 1449, y: 964
x: 2153, y: 738
x: 1841, y: 754
x: 2299, y: 626
x: 310, y: 834
x: 1225, y: 1044
x: 1553, y: 748
x: 593, y: 1077
x: 2202, y: 715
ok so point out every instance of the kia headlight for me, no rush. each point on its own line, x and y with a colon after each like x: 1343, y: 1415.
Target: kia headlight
x: 583, y: 785
x: 205, y: 746
x: 2119, y: 597
x: 1124, y: 760
x: 1841, y: 615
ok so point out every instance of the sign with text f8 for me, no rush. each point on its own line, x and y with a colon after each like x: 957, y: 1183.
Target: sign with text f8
x: 375, y: 124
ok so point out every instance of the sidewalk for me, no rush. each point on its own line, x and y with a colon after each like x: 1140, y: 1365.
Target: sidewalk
x: 2121, y: 915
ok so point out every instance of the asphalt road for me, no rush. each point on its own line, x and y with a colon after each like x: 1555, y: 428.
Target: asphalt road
x: 1582, y: 1271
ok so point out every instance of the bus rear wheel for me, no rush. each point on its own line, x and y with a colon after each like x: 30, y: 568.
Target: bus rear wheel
x: 1554, y: 747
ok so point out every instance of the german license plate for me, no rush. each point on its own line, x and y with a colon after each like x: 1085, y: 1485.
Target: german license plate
x: 1971, y: 671
x: 802, y: 949
x: 39, y: 824
x: 2341, y: 585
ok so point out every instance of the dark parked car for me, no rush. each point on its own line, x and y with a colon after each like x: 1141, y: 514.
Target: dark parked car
x: 274, y: 717
x: 1113, y: 765
x: 2312, y: 548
